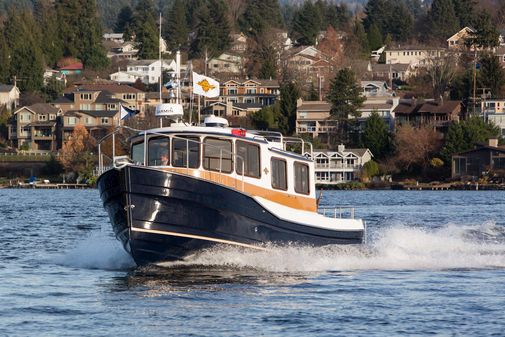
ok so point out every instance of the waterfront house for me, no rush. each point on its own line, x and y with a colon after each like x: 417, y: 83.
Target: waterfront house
x: 391, y: 71
x: 439, y: 114
x: 340, y: 166
x: 36, y: 127
x: 414, y: 56
x: 148, y: 71
x: 9, y: 97
x: 227, y: 63
x: 478, y: 161
x: 493, y: 110
x: 97, y: 122
x: 375, y: 88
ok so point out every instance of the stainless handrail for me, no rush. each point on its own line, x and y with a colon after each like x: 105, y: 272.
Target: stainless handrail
x: 333, y: 210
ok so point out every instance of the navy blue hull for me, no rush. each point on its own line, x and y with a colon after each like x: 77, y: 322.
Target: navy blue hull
x: 160, y: 216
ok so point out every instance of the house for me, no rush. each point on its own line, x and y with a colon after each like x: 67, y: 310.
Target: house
x: 478, y: 161
x: 309, y: 63
x: 226, y: 63
x: 383, y: 106
x: 232, y: 109
x: 124, y: 50
x: 115, y: 37
x: 375, y: 88
x: 414, y: 56
x: 313, y: 118
x: 148, y: 71
x: 439, y: 114
x: 493, y: 110
x: 459, y: 40
x: 97, y: 122
x: 70, y: 66
x: 500, y: 54
x: 341, y: 166
x: 238, y: 43
x: 36, y: 127
x: 9, y: 96
x: 249, y: 91
x: 392, y: 71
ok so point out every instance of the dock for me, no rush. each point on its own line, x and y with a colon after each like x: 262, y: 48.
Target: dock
x: 60, y: 186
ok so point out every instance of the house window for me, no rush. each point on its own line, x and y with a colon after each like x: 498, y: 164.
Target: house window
x: 249, y: 155
x: 129, y: 96
x: 72, y: 120
x: 89, y: 120
x: 301, y: 178
x: 232, y: 91
x: 111, y: 106
x: 52, y: 117
x: 105, y: 120
x: 158, y: 152
x: 180, y: 149
x: 85, y: 107
x: 251, y: 91
x: 279, y: 174
x: 217, y: 155
x: 42, y: 117
x: 86, y: 97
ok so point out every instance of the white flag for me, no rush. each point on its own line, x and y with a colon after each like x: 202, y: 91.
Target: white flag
x: 205, y: 86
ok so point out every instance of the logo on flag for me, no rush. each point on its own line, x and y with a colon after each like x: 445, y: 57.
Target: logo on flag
x: 126, y: 112
x: 205, y: 86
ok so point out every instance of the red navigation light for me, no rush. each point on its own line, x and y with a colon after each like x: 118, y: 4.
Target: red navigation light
x: 238, y: 132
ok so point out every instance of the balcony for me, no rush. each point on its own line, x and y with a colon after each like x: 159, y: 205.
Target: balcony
x: 337, y: 166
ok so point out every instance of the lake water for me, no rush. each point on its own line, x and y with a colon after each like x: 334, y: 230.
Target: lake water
x: 434, y: 263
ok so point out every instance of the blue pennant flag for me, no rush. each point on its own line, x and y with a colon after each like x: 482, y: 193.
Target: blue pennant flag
x: 127, y: 112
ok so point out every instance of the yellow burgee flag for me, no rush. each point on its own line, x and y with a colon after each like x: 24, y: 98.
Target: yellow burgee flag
x: 205, y: 86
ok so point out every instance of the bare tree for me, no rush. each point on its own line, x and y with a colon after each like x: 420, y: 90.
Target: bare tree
x: 440, y: 71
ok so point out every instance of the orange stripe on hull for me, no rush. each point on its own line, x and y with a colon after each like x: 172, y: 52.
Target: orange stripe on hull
x: 283, y: 198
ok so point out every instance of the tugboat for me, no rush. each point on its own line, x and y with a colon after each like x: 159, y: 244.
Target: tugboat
x: 185, y: 188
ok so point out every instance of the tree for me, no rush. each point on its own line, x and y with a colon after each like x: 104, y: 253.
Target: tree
x: 442, y: 19
x: 374, y: 37
x: 441, y: 71
x: 464, y: 135
x: 175, y: 26
x: 492, y: 74
x: 76, y: 152
x: 264, y: 119
x: 415, y: 147
x: 4, y: 58
x: 313, y: 94
x: 370, y: 170
x: 464, y: 10
x: 124, y: 23
x: 345, y: 95
x: 26, y: 59
x: 376, y: 136
x: 46, y: 19
x: 260, y: 15
x: 268, y: 68
x: 146, y: 31
x: 307, y: 24
x: 286, y: 121
x: 389, y: 16
x: 486, y: 35
x: 53, y: 89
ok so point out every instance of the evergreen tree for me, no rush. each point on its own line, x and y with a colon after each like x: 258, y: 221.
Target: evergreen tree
x: 313, y: 94
x: 306, y: 24
x: 46, y: 19
x: 361, y: 37
x: 175, y: 26
x: 268, y: 66
x: 260, y: 15
x: 68, y: 12
x: 91, y: 50
x: 486, y: 35
x: 345, y: 95
x: 124, y: 23
x: 401, y: 23
x: 492, y: 74
x: 376, y: 136
x: 442, y: 19
x: 286, y: 121
x: 26, y: 59
x: 146, y: 31
x: 389, y: 16
x: 264, y: 119
x: 374, y: 37
x: 4, y: 58
x: 464, y: 10
x: 212, y: 30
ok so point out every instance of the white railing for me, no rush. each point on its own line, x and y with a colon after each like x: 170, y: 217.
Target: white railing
x: 337, y: 212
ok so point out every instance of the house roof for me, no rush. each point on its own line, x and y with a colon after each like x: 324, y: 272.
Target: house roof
x: 315, y: 106
x: 97, y: 113
x: 113, y: 88
x: 358, y: 152
x: 63, y: 99
x: 382, y: 68
x: 480, y: 148
x: 399, y: 47
x: 376, y: 106
x: 146, y: 62
x: 48, y: 123
x: 106, y: 97
x: 406, y: 107
x: 441, y: 107
x: 73, y: 66
x: 466, y: 29
x: 40, y: 108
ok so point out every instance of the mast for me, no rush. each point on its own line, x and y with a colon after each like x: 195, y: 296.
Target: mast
x: 161, y: 70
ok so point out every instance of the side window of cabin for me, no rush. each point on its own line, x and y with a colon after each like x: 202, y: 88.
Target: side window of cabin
x: 250, y: 153
x: 279, y: 174
x: 158, y: 151
x: 137, y: 153
x: 180, y: 148
x: 302, y: 178
x: 217, y: 155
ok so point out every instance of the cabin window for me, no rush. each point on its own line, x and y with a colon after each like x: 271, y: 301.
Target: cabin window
x: 159, y: 149
x: 250, y: 153
x: 217, y: 155
x: 180, y: 148
x: 302, y: 178
x: 279, y: 174
x: 137, y: 153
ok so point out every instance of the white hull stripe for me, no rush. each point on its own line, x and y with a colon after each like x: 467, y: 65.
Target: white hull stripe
x: 154, y: 231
